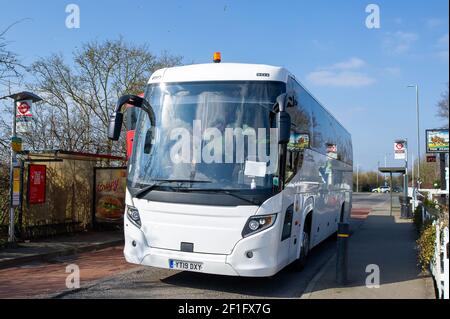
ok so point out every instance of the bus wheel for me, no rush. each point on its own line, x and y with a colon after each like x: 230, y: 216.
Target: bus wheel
x: 304, y: 252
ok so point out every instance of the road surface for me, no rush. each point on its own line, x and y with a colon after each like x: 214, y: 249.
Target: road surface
x: 105, y: 274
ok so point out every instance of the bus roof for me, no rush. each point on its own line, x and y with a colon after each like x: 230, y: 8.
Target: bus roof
x: 220, y: 72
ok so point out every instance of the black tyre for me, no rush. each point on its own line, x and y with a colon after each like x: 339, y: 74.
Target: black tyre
x: 300, y: 263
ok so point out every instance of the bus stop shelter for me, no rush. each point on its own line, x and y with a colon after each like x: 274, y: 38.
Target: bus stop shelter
x: 404, y: 202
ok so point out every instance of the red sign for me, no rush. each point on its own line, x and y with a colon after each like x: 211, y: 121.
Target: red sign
x: 23, y: 107
x: 36, y: 184
x: 431, y: 159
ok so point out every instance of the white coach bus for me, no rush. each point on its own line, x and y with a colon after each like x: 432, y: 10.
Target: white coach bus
x: 236, y: 170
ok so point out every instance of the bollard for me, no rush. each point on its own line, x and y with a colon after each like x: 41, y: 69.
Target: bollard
x: 342, y: 254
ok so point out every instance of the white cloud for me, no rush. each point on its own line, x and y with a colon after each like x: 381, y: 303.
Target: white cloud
x: 342, y: 74
x: 353, y: 63
x: 393, y: 71
x: 399, y: 42
x: 340, y: 79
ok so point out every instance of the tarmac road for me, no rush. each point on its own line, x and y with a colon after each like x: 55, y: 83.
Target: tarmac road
x: 148, y: 282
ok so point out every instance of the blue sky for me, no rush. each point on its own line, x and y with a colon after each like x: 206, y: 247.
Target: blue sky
x: 359, y: 74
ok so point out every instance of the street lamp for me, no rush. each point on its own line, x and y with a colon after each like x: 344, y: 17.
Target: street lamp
x: 17, y: 97
x: 418, y: 132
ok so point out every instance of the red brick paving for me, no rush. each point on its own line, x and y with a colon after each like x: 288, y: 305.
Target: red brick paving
x: 46, y: 278
x: 360, y: 213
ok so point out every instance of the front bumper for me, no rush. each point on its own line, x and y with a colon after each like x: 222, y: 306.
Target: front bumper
x: 263, y: 246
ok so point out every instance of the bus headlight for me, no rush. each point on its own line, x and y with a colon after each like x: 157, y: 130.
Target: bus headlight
x: 133, y: 216
x: 256, y: 224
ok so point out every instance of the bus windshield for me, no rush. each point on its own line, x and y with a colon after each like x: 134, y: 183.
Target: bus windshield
x: 218, y: 135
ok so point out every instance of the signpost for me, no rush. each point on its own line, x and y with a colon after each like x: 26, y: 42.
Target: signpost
x: 21, y: 111
x: 401, y: 153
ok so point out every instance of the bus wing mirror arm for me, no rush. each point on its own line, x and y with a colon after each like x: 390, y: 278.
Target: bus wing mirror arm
x: 283, y: 118
x: 116, y: 118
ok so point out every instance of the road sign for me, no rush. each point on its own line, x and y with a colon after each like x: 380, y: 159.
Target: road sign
x: 431, y: 158
x: 23, y: 108
x: 23, y: 116
x: 400, y: 150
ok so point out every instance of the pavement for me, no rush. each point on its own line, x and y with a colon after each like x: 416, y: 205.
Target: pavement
x: 384, y: 247
x: 47, y: 249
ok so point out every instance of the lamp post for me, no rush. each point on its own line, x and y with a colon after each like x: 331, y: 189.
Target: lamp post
x: 418, y: 132
x: 357, y: 178
x: 385, y: 165
x: 378, y: 174
x: 17, y: 97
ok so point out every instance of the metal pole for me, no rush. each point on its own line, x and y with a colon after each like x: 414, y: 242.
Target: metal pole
x: 378, y: 174
x: 357, y: 178
x: 442, y: 171
x: 342, y: 253
x: 385, y: 165
x: 11, y: 237
x: 418, y: 136
x: 412, y: 170
x: 405, y: 187
x: 391, y: 192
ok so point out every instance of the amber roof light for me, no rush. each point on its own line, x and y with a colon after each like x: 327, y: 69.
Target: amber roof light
x: 217, y: 57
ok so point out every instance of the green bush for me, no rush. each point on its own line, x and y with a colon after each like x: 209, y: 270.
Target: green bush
x: 425, y: 245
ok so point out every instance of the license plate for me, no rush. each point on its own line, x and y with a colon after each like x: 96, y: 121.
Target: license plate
x: 185, y: 265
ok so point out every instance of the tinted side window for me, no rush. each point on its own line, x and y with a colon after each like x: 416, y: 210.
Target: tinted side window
x: 301, y: 115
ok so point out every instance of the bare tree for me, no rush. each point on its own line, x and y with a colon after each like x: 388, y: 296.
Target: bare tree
x: 79, y: 96
x: 10, y: 72
x: 443, y: 107
x: 10, y: 66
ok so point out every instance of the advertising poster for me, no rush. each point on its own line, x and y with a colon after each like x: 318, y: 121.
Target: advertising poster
x: 36, y: 184
x: 437, y: 141
x: 110, y: 184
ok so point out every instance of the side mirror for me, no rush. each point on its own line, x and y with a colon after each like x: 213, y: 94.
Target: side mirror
x: 284, y: 127
x: 283, y: 118
x: 115, y: 126
x: 116, y: 118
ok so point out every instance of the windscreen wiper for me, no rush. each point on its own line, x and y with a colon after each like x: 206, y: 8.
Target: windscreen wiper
x: 159, y: 182
x: 218, y: 191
